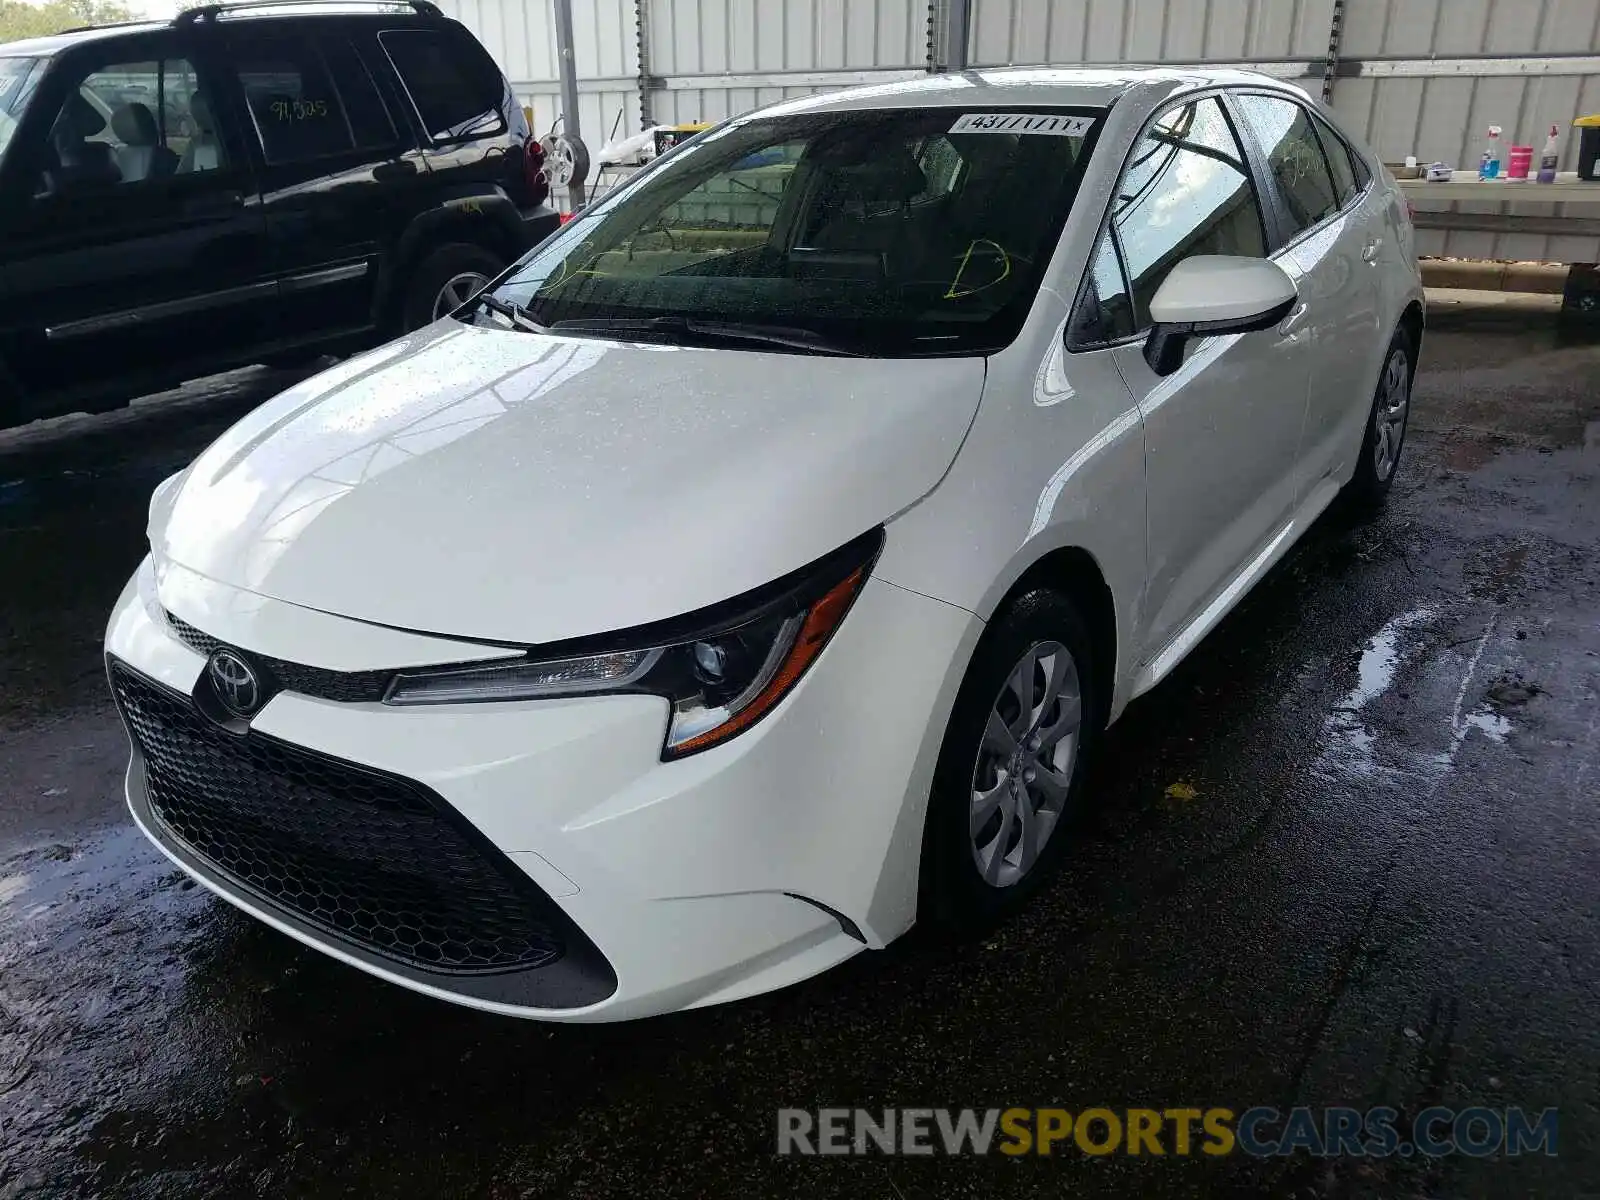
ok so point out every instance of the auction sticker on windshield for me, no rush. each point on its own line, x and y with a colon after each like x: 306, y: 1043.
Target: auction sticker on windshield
x: 1057, y: 126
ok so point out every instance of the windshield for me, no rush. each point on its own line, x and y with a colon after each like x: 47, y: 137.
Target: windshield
x: 17, y: 81
x: 885, y: 232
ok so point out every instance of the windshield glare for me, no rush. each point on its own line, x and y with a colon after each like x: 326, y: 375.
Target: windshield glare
x: 888, y: 232
x: 16, y: 85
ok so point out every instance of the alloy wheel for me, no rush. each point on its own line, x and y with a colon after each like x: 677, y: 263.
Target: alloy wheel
x: 457, y: 291
x: 1024, y: 767
x: 1389, y: 415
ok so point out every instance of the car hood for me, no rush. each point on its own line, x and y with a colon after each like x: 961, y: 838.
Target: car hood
x: 525, y: 488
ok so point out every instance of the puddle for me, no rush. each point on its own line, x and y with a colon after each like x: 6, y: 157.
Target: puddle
x: 1488, y: 722
x: 1381, y: 659
x: 1350, y: 751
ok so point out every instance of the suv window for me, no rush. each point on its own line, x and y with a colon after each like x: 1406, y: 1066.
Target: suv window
x: 370, y: 123
x: 128, y: 123
x: 1295, y: 158
x: 297, y: 112
x: 18, y: 77
x: 1186, y: 191
x: 456, y: 88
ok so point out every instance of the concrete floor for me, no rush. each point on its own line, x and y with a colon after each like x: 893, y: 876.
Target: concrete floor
x: 1386, y: 889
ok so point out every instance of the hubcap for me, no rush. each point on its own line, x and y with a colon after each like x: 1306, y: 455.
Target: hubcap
x: 458, y: 291
x: 1024, y: 768
x: 1389, y: 415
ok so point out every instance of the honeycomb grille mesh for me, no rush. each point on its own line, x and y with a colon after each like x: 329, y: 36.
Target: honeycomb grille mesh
x: 365, y: 856
x: 347, y: 687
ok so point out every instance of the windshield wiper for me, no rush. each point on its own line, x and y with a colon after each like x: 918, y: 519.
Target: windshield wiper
x: 794, y: 337
x: 515, y: 313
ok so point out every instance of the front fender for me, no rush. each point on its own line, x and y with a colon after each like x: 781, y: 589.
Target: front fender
x: 1054, y: 461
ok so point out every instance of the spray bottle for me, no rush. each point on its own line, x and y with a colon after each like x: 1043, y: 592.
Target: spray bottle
x: 1489, y: 166
x: 1551, y: 158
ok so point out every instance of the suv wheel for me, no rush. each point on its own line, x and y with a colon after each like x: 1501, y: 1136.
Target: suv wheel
x: 1010, y: 772
x: 446, y: 280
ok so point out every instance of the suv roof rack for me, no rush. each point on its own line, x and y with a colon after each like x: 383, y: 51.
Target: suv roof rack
x: 209, y: 12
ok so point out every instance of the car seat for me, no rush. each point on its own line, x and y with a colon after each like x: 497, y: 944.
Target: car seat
x: 204, y: 151
x: 859, y: 215
x: 142, y: 154
x: 78, y: 161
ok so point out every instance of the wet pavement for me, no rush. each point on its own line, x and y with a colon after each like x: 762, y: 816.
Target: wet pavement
x: 1380, y: 884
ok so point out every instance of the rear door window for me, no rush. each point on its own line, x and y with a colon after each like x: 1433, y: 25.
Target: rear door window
x: 1294, y: 155
x: 370, y: 123
x: 1341, y: 162
x: 297, y: 112
x: 455, y: 86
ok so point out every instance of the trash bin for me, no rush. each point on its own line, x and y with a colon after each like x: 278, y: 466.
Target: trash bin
x: 1588, y: 146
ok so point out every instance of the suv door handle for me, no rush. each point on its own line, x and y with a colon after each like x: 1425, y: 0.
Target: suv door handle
x: 1369, y: 253
x: 395, y: 169
x: 214, y: 204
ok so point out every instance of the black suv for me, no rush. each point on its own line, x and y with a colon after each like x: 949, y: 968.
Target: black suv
x: 240, y: 186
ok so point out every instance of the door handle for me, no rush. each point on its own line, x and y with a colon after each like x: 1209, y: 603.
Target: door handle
x: 215, y: 204
x: 1369, y: 254
x: 1290, y: 325
x: 395, y: 169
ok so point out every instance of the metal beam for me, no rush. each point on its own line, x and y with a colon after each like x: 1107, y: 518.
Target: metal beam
x: 1335, y: 32
x: 1296, y: 68
x: 641, y: 29
x: 569, y: 87
x: 785, y: 79
x: 1508, y: 223
x: 1477, y: 66
x: 951, y: 33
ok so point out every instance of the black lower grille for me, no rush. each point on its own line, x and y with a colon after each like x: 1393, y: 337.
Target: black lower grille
x: 372, y: 858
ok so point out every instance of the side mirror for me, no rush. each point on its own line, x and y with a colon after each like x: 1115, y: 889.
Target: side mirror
x: 1210, y: 294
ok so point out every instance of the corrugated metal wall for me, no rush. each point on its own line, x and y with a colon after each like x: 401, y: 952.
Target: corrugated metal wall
x: 521, y: 34
x: 1106, y: 31
x: 1446, y: 118
x: 708, y: 59
x: 690, y: 40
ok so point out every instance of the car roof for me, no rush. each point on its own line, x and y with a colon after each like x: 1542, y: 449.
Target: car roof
x: 1093, y: 87
x: 45, y: 47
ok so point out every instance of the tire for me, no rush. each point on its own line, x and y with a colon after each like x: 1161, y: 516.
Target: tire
x: 1383, y: 437
x: 448, y: 266
x: 958, y: 895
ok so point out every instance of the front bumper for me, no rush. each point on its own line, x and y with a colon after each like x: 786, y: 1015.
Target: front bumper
x: 663, y: 885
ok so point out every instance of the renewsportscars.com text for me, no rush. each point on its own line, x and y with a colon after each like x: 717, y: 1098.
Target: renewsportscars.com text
x: 1259, y: 1132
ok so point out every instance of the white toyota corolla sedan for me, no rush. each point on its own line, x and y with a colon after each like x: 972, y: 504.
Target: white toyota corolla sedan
x: 748, y: 573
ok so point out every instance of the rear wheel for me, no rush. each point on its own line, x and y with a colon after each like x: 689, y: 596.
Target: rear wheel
x: 445, y: 280
x: 1387, y: 421
x: 1010, y: 773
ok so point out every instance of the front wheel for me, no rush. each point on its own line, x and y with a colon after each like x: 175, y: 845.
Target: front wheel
x: 1010, y: 772
x: 1385, y: 432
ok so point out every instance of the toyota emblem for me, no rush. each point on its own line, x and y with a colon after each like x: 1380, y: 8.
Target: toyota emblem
x: 235, y: 681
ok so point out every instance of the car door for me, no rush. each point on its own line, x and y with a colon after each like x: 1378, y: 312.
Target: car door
x: 1313, y: 185
x: 331, y: 158
x: 130, y: 261
x: 1222, y: 433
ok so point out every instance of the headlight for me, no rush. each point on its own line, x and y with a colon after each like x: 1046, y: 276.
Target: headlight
x: 722, y: 670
